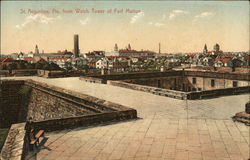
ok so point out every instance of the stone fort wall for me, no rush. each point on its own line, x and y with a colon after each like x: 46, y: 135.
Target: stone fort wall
x: 52, y: 108
x: 180, y: 80
x: 23, y: 99
x: 12, y: 103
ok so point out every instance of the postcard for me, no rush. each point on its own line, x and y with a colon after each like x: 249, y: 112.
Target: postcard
x: 121, y: 80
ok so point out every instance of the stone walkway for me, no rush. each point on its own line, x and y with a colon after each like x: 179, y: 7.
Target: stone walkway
x: 167, y: 129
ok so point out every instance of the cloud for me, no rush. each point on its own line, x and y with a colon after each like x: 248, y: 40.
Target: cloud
x: 84, y: 22
x: 136, y: 17
x: 203, y: 15
x: 174, y: 13
x: 157, y: 24
x: 37, y: 18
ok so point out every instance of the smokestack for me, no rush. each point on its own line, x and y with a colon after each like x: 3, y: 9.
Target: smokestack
x: 159, y: 48
x: 76, y: 45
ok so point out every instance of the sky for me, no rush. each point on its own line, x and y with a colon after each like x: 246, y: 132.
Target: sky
x: 180, y: 26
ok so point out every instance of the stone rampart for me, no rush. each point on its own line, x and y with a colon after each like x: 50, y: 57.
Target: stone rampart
x: 128, y: 76
x: 80, y: 121
x: 50, y: 74
x: 92, y: 79
x: 153, y: 90
x: 52, y: 108
x: 12, y: 102
x: 180, y: 94
x: 15, y: 146
x: 205, y: 74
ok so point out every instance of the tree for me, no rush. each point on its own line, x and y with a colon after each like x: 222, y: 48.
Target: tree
x: 38, y: 66
x: 11, y: 66
x: 53, y: 66
x: 3, y: 67
x: 236, y: 63
x: 30, y: 66
x: 46, y: 66
x: 21, y: 65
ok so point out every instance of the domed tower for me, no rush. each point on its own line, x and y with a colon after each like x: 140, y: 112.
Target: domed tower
x: 216, y: 47
x: 116, y: 48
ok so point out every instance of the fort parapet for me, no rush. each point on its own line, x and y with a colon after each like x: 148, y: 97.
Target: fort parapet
x: 51, y: 108
x: 179, y: 84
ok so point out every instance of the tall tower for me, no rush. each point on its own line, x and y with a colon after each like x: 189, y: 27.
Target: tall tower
x: 205, y: 49
x: 36, y: 50
x: 129, y: 47
x: 116, y: 48
x: 76, y: 45
x: 159, y: 48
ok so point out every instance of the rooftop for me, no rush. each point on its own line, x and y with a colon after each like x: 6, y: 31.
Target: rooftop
x: 166, y: 128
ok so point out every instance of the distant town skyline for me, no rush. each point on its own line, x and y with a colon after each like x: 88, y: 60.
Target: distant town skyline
x: 181, y: 26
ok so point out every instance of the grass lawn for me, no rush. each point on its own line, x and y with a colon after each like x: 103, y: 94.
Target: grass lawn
x: 3, y: 135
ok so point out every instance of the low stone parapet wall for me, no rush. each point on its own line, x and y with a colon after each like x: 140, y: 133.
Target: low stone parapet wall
x: 127, y: 76
x: 92, y: 79
x: 50, y: 74
x: 15, y: 144
x: 182, y: 95
x: 24, y: 72
x: 18, y: 72
x: 208, y: 74
x: 83, y: 121
x: 218, y: 92
x: 76, y: 97
x: 153, y: 90
x: 5, y: 73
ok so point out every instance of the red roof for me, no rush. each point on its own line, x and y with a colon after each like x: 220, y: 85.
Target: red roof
x: 42, y: 61
x: 245, y: 66
x: 190, y: 55
x: 6, y: 59
x: 29, y: 59
x: 58, y: 59
x: 223, y: 59
x: 247, y: 58
x: 90, y: 54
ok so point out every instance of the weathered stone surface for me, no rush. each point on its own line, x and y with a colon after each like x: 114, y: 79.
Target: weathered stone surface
x: 196, y: 84
x: 92, y: 79
x: 12, y: 104
x: 247, y: 109
x: 14, y: 147
x: 53, y: 108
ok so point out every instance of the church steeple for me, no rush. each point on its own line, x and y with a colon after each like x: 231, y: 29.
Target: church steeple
x: 36, y: 49
x: 205, y: 49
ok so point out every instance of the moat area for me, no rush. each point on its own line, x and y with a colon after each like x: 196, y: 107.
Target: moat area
x: 167, y: 128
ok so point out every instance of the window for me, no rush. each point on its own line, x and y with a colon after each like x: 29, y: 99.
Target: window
x: 235, y: 84
x: 159, y: 83
x: 212, y: 82
x: 194, y: 81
